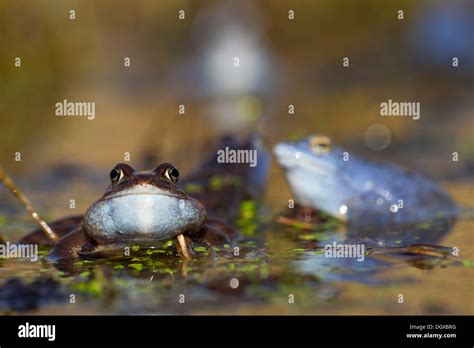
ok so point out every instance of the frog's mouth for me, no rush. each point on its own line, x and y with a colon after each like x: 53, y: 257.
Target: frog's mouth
x: 291, y: 157
x: 143, y: 190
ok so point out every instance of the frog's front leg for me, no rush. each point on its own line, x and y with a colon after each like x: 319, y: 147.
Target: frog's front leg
x: 61, y: 227
x: 72, y: 245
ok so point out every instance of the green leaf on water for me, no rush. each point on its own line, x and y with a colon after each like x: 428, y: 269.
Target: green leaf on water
x: 248, y: 209
x: 314, y: 236
x: 331, y: 225
x: 307, y: 237
x: 95, y: 287
x: 92, y: 287
x: 247, y: 220
x: 298, y: 250
x: 85, y: 274
x: 297, y: 225
x: 248, y: 268
x: 140, y: 259
x: 136, y: 266
x: 168, y: 244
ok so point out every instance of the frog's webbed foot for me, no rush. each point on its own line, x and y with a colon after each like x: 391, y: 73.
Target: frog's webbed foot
x: 60, y: 227
x: 219, y: 225
x: 213, y: 232
x: 212, y: 235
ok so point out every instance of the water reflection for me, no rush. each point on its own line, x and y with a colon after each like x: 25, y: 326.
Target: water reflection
x: 383, y: 249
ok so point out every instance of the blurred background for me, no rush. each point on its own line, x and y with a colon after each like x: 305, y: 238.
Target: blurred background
x: 183, y: 53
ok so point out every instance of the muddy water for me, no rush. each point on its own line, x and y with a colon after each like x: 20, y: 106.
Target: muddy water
x: 277, y: 270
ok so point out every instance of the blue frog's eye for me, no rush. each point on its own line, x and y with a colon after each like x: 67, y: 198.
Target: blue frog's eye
x: 320, y: 144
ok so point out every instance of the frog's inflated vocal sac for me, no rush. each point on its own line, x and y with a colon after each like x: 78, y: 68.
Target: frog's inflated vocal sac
x: 137, y: 208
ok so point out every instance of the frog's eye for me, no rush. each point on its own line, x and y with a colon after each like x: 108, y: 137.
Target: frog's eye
x: 320, y: 144
x: 116, y: 175
x: 172, y: 174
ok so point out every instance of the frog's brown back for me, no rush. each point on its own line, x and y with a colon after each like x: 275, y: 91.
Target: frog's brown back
x: 61, y: 227
x: 222, y: 187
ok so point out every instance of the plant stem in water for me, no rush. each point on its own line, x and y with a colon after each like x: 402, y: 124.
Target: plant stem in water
x: 10, y: 185
x: 184, y: 246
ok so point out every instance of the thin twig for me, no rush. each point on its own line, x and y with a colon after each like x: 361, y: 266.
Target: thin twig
x: 294, y: 223
x: 10, y: 185
x: 184, y: 246
x: 417, y: 249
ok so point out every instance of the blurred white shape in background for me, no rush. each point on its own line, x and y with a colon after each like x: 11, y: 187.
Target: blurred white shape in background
x: 236, y: 71
x: 234, y: 62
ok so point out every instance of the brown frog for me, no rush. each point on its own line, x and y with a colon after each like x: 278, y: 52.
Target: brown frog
x: 138, y: 208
